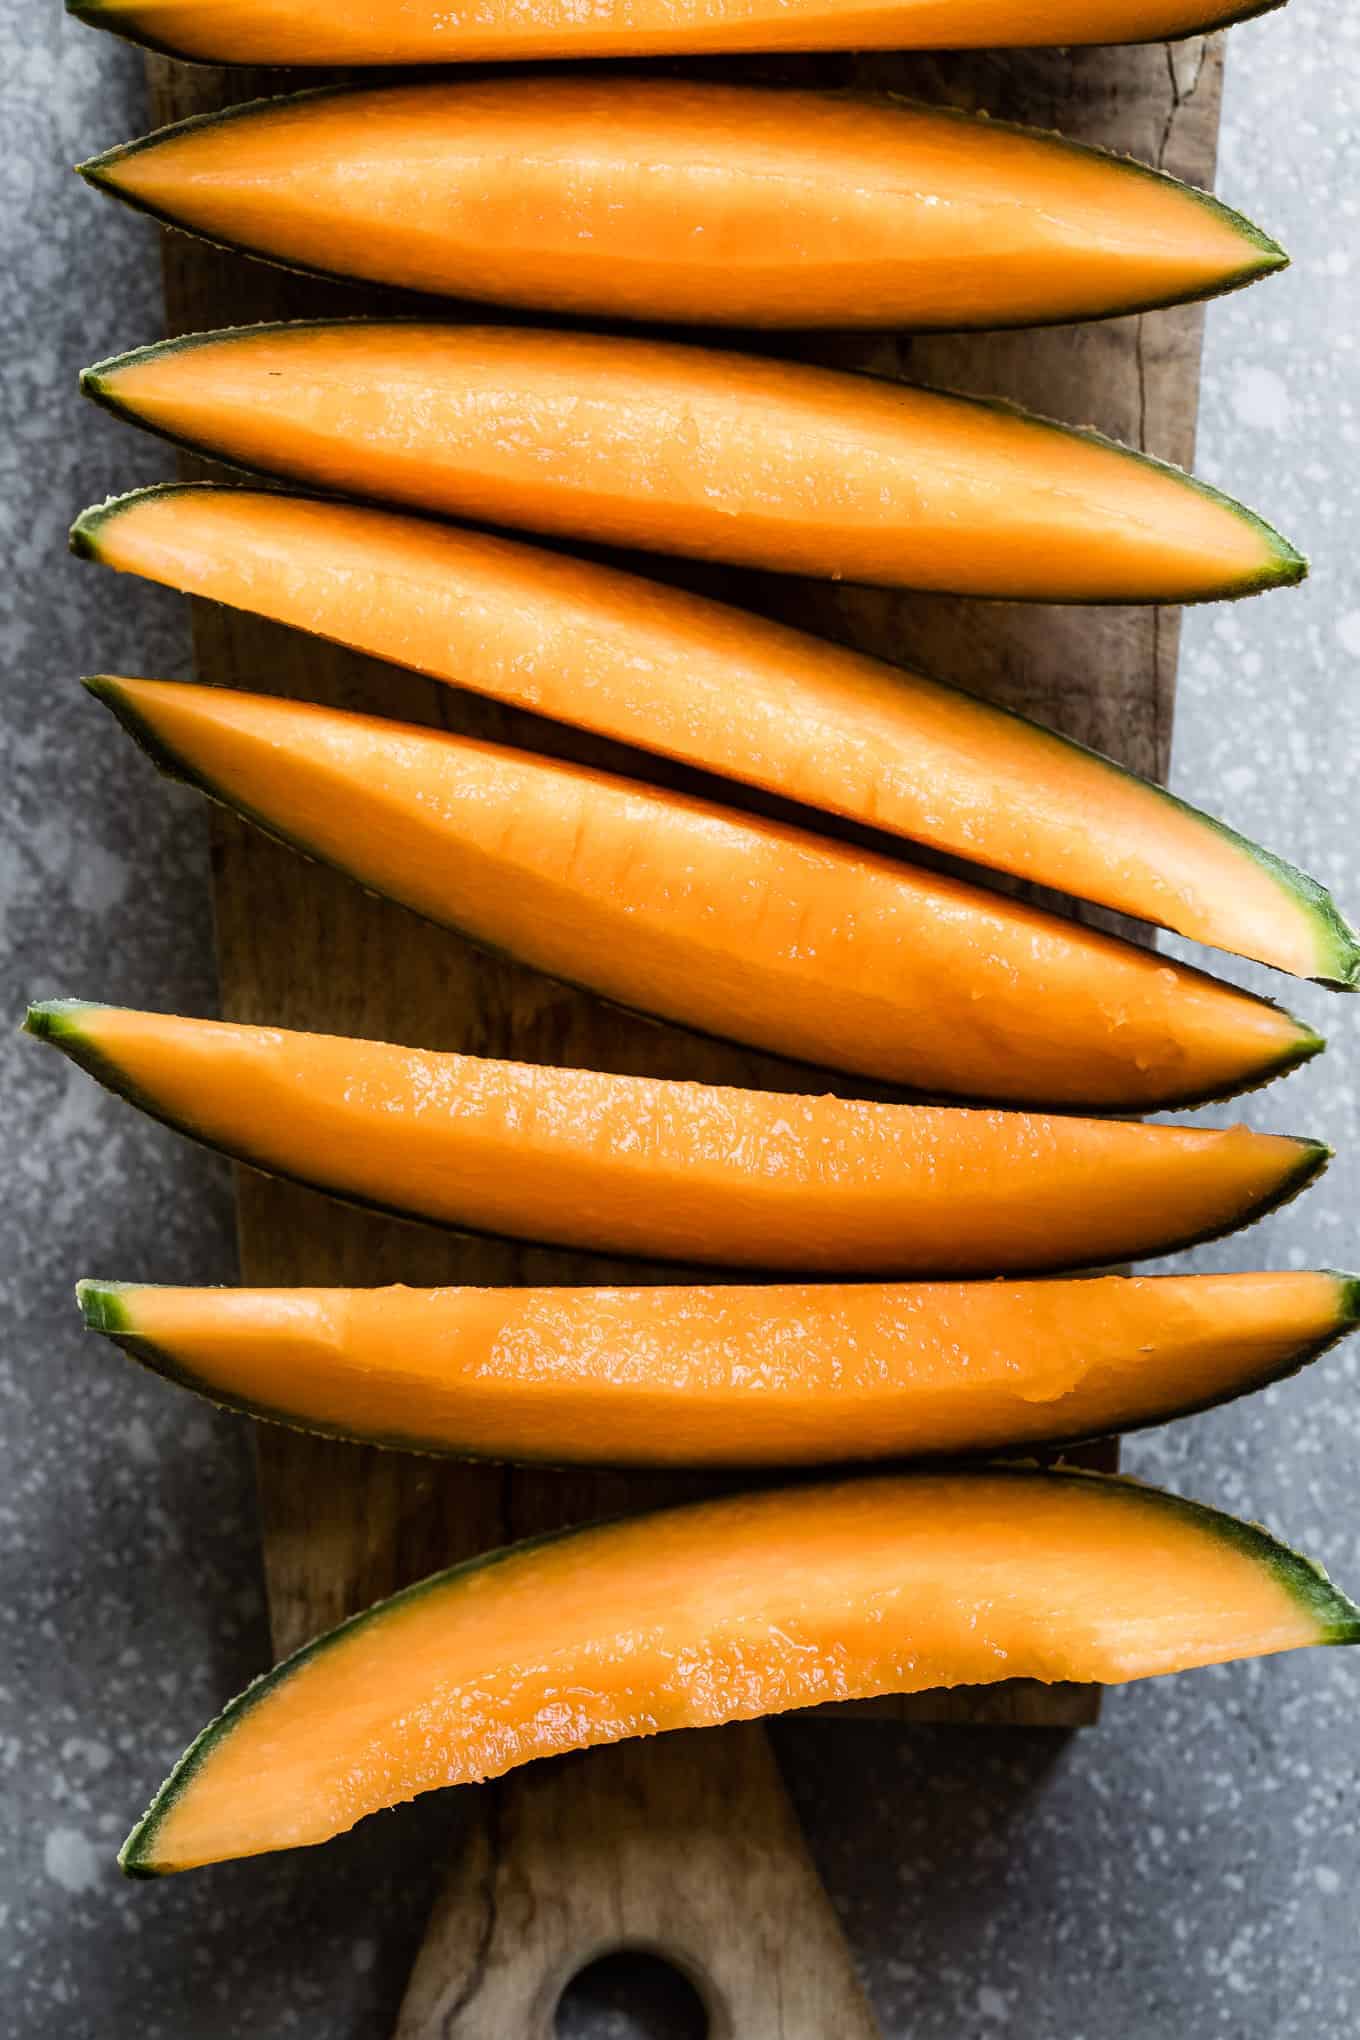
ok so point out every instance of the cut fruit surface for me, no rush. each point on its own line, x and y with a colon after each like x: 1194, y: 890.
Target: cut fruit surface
x: 724, y: 1611
x: 733, y: 694
x: 737, y: 925
x: 720, y: 456
x: 669, y: 201
x: 728, y: 1376
x: 383, y: 32
x: 684, y: 1172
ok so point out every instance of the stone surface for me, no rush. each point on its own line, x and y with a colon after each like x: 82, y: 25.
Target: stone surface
x: 1186, y: 1868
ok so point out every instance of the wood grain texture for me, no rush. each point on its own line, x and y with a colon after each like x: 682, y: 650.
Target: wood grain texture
x: 687, y: 1846
x: 301, y: 947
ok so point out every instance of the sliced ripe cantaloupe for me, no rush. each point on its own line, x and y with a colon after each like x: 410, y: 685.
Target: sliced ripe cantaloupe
x: 692, y: 450
x: 734, y: 924
x: 685, y: 1172
x: 723, y: 1611
x: 669, y: 672
x: 730, y: 1376
x: 433, y: 32
x: 670, y: 201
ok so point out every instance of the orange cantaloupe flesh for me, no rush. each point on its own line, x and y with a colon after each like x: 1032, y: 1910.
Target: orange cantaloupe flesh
x: 724, y: 1611
x: 688, y: 1172
x: 730, y: 1376
x: 693, y: 450
x: 384, y: 32
x: 668, y: 201
x: 669, y: 672
x: 737, y: 925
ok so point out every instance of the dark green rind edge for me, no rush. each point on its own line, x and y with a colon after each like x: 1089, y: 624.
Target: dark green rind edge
x: 104, y: 1308
x: 1335, y: 1616
x: 1337, y: 958
x: 1338, y: 944
x: 134, y: 1858
x: 1266, y: 257
x: 120, y: 21
x: 57, y: 1021
x: 1283, y: 566
x: 107, y: 689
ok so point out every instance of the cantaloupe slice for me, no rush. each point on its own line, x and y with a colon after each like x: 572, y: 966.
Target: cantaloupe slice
x: 670, y: 201
x: 433, y: 32
x: 685, y: 1172
x: 728, y: 1376
x: 669, y: 672
x: 720, y: 1612
x: 737, y: 925
x: 694, y: 450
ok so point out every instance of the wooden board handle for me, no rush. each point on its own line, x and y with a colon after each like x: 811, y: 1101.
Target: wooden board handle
x: 685, y: 1846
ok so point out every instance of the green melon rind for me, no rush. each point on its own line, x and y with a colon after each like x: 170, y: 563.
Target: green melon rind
x: 103, y: 1307
x: 135, y: 1858
x: 1336, y: 957
x: 1263, y: 257
x: 1335, y: 1618
x: 119, y: 18
x: 58, y: 1022
x: 1337, y: 961
x: 115, y: 17
x: 109, y: 1307
x: 1282, y: 565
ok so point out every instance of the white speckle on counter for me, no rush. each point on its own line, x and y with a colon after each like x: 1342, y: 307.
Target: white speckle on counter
x: 1260, y: 399
x: 95, y: 1756
x: 140, y: 1443
x: 1348, y: 632
x: 71, y: 1860
x: 99, y: 881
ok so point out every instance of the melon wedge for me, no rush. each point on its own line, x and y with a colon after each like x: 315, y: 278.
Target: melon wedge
x: 677, y: 202
x: 686, y: 1172
x: 739, y: 926
x: 733, y: 694
x: 691, y: 450
x: 778, y: 1375
x: 723, y: 1611
x: 431, y: 32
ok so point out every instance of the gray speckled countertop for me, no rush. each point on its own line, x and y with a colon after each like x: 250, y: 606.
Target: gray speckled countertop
x: 1187, y: 1868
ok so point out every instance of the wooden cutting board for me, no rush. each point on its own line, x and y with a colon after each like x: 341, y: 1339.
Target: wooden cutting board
x: 686, y: 1844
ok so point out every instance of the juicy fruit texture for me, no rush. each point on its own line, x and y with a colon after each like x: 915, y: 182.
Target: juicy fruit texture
x: 670, y: 672
x: 729, y: 1376
x: 721, y: 456
x: 737, y: 925
x: 668, y: 201
x: 724, y: 1611
x: 432, y: 32
x: 687, y: 1172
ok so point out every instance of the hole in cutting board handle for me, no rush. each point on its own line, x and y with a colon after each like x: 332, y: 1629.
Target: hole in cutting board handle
x: 644, y: 1997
